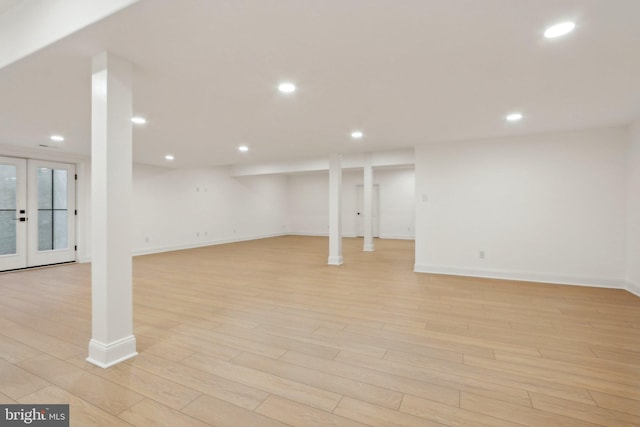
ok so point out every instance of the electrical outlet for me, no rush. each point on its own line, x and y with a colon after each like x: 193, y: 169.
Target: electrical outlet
x: 198, y: 234
x: 482, y: 255
x: 146, y: 239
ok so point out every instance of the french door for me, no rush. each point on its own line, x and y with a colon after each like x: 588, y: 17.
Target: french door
x: 37, y: 213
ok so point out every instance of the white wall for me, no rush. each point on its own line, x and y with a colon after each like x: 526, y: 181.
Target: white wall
x: 187, y: 208
x: 543, y: 208
x: 633, y: 210
x: 308, y: 203
x: 177, y: 209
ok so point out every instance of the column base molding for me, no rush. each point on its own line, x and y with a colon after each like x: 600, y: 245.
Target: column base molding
x: 335, y: 260
x: 106, y: 355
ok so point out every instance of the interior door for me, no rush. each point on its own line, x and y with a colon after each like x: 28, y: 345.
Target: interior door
x: 360, y: 210
x: 13, y: 214
x: 51, y: 212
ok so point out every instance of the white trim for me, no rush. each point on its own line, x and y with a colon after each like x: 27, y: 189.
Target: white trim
x: 314, y: 234
x: 382, y: 236
x: 600, y: 282
x: 397, y: 237
x: 335, y: 260
x: 159, y: 249
x: 171, y: 248
x: 310, y: 234
x: 632, y: 287
x: 106, y: 355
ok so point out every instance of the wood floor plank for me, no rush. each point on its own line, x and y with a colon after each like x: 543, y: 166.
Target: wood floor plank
x: 373, y: 415
x: 591, y: 362
x: 528, y: 416
x: 14, y: 351
x: 446, y: 378
x: 580, y: 411
x: 81, y: 412
x: 617, y: 403
x: 4, y: 399
x: 400, y: 384
x: 297, y: 414
x: 337, y: 384
x: 274, y: 384
x: 35, y: 339
x: 98, y: 391
x: 153, y: 386
x: 17, y: 382
x: 559, y: 377
x: 152, y: 413
x: 232, y: 341
x: 204, y: 382
x: 629, y: 376
x: 450, y: 415
x: 216, y: 412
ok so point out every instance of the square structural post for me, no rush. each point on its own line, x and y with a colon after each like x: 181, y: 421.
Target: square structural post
x: 335, y: 210
x: 368, y: 204
x: 112, y: 339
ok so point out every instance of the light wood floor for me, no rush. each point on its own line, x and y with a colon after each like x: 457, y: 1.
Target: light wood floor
x: 264, y: 333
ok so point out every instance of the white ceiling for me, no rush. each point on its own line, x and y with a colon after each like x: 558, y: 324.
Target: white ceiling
x: 6, y: 5
x: 406, y: 72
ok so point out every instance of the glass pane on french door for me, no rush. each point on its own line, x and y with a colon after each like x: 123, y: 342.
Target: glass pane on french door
x: 13, y: 203
x: 8, y: 207
x: 51, y: 212
x: 52, y: 209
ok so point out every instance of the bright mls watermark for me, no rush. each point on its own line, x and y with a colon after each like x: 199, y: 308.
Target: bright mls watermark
x: 34, y: 415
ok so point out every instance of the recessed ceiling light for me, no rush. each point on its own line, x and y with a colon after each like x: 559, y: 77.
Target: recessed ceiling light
x: 57, y: 138
x: 243, y: 148
x: 139, y: 120
x: 287, y: 87
x: 169, y: 157
x: 514, y: 117
x: 559, y: 30
x: 357, y: 134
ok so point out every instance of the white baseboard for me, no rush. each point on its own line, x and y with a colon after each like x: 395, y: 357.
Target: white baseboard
x: 600, y: 282
x: 381, y: 236
x: 169, y: 248
x: 106, y: 355
x: 315, y: 234
x: 397, y: 237
x: 634, y: 288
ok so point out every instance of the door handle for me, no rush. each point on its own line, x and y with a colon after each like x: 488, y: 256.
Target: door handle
x: 21, y: 219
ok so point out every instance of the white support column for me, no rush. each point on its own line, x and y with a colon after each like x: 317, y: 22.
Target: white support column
x: 112, y: 338
x: 335, y: 210
x: 368, y: 204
